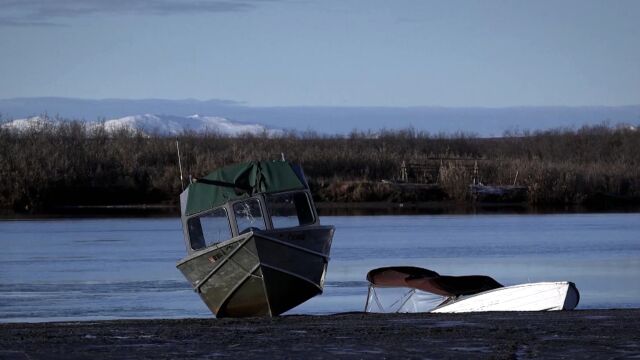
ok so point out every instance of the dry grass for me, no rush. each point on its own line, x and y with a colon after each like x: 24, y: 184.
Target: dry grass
x: 65, y: 165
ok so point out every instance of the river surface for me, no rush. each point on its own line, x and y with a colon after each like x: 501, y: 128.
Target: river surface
x: 90, y: 269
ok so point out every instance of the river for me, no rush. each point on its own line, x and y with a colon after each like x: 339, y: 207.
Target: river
x: 91, y: 269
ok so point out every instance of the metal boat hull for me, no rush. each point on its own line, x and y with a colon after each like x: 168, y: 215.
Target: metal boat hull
x: 261, y: 273
x: 542, y: 296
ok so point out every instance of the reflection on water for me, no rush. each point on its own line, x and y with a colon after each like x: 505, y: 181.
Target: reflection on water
x: 125, y: 268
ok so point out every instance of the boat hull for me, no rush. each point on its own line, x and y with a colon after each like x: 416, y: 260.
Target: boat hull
x: 542, y: 296
x: 261, y: 273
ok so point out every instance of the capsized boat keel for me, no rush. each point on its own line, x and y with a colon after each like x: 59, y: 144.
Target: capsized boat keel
x: 542, y: 296
x: 424, y: 290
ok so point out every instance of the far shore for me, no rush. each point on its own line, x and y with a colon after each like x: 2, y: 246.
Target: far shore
x: 449, y: 207
x: 594, y: 167
x: 446, y: 206
x: 584, y: 334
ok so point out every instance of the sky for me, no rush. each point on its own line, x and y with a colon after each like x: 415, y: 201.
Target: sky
x: 484, y: 53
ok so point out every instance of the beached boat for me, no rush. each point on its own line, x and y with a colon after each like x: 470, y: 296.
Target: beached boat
x: 254, y: 241
x: 499, y: 194
x: 496, y: 194
x: 423, y: 290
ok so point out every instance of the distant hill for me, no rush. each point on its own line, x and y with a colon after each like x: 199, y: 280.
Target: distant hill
x: 155, y: 124
x: 333, y: 120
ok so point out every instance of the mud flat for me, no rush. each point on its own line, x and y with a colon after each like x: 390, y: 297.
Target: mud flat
x: 593, y: 334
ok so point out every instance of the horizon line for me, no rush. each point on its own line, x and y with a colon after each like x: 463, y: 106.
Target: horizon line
x: 240, y: 103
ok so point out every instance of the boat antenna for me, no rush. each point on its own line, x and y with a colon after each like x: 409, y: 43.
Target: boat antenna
x: 282, y: 156
x: 179, y: 164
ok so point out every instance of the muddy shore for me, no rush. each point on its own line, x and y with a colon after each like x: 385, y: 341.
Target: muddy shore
x: 593, y: 334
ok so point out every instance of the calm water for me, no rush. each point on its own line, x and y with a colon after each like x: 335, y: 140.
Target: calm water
x: 125, y: 268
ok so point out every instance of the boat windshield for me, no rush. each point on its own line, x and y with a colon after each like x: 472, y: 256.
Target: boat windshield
x: 208, y: 229
x: 248, y: 215
x: 289, y: 209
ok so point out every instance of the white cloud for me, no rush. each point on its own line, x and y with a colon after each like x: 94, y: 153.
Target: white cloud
x: 52, y: 12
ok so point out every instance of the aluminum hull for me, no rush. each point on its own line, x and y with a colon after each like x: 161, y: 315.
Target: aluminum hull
x: 542, y: 296
x: 261, y: 273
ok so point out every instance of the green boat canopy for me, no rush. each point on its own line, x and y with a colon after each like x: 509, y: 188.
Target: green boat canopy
x: 243, y: 180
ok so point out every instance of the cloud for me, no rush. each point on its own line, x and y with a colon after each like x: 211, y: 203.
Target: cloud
x: 7, y: 21
x: 54, y: 12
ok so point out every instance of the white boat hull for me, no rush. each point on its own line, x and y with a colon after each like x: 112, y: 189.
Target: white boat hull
x: 542, y: 296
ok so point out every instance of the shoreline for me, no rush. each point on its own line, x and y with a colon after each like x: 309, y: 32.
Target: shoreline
x: 445, y: 207
x: 563, y: 334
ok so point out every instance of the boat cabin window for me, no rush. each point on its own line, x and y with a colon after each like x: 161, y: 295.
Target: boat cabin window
x: 248, y: 215
x: 208, y: 229
x: 290, y: 209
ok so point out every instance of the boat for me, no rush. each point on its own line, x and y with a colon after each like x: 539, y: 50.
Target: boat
x: 498, y: 194
x: 255, y: 245
x: 423, y: 290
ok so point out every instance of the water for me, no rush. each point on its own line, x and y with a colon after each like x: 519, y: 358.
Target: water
x: 125, y: 268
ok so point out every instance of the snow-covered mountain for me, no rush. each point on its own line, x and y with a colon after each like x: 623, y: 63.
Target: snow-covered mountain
x: 155, y: 124
x: 483, y: 121
x: 35, y: 122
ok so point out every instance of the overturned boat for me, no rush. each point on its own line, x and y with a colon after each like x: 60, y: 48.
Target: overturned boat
x: 421, y: 290
x: 255, y: 246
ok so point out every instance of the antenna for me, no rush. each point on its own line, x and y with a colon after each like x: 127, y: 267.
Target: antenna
x: 475, y: 173
x: 179, y: 164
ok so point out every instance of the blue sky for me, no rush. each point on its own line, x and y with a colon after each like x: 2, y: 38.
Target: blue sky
x: 325, y: 53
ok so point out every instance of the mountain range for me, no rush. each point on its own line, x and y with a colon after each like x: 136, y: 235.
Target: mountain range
x: 154, y: 124
x: 482, y: 121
